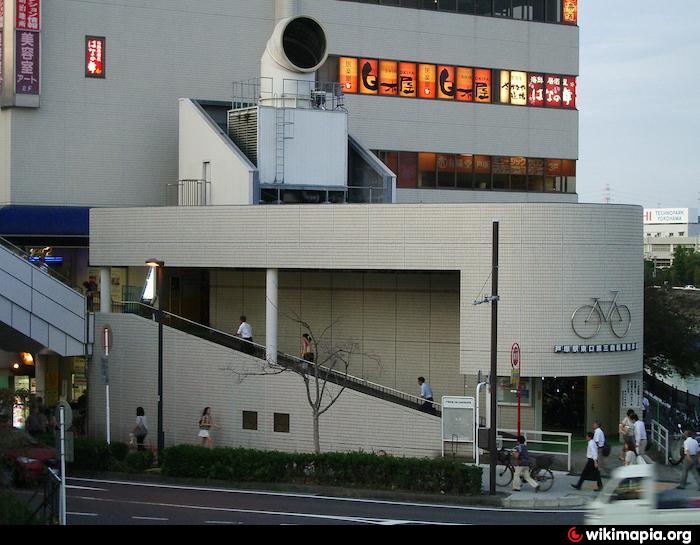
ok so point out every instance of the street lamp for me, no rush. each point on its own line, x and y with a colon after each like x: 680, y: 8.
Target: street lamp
x: 157, y: 267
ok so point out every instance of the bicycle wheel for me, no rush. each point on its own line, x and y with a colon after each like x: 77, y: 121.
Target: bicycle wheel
x: 504, y: 475
x: 586, y: 321
x: 620, y: 321
x: 545, y: 478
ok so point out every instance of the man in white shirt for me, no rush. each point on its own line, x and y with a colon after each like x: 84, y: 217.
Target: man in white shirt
x: 599, y: 438
x: 690, y: 460
x: 426, y: 393
x: 245, y: 332
x: 640, y: 435
x: 590, y: 472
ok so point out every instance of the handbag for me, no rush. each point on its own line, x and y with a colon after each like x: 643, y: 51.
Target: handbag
x: 606, y: 449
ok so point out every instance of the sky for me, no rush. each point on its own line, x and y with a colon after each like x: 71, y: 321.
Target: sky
x: 639, y: 102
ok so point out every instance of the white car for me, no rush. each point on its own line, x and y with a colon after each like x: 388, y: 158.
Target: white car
x: 690, y: 287
x: 632, y: 496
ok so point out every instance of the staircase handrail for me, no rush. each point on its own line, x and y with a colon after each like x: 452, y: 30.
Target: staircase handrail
x: 293, y: 361
x: 19, y: 252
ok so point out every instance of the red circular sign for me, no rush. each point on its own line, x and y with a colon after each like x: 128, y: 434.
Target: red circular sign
x: 515, y: 356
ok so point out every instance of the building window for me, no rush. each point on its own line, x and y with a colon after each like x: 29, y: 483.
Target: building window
x: 480, y: 172
x: 281, y: 423
x: 551, y: 11
x: 250, y: 420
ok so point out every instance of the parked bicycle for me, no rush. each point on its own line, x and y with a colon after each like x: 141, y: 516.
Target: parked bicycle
x: 587, y: 319
x: 540, y: 470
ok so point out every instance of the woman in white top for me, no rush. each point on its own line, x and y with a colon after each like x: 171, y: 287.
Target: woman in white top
x: 626, y: 429
x: 141, y: 428
x: 206, y: 422
x: 629, y: 449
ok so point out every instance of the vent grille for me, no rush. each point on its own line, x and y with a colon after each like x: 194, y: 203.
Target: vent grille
x: 243, y: 130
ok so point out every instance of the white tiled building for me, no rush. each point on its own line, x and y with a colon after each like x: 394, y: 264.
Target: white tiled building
x: 470, y: 107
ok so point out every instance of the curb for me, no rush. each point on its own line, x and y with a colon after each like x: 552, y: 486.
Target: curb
x: 546, y: 503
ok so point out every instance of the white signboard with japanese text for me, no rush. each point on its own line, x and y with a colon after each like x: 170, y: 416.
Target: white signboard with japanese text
x: 670, y: 215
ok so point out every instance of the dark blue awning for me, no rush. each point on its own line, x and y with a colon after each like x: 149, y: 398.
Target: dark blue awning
x: 44, y: 221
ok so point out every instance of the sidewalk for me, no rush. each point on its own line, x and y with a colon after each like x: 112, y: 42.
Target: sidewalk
x: 563, y: 496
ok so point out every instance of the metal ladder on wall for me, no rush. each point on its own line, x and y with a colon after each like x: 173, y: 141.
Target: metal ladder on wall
x: 284, y: 117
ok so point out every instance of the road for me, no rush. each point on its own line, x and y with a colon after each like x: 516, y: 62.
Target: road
x: 98, y: 501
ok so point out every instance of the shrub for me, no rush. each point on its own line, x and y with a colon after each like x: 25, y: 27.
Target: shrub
x: 13, y: 510
x: 353, y: 469
x: 119, y: 451
x: 139, y: 461
x: 90, y: 454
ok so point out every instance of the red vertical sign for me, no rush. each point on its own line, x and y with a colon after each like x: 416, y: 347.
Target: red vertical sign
x: 568, y: 92
x: 28, y: 15
x: 553, y: 91
x: 535, y: 90
x: 94, y: 57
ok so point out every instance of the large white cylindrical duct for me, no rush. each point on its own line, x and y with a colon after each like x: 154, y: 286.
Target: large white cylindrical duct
x: 297, y: 49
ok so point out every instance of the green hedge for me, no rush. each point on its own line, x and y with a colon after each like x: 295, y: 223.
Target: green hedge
x: 90, y: 454
x: 13, y: 510
x: 339, y: 469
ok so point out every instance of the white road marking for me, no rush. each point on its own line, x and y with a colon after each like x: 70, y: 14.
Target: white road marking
x: 333, y: 498
x: 361, y: 520
x: 220, y: 522
x: 74, y: 487
x: 82, y: 514
x: 151, y: 518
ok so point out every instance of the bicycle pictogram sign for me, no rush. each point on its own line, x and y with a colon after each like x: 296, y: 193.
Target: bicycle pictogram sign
x: 587, y: 319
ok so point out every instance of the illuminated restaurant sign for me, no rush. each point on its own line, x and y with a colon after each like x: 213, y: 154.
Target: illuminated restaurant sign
x: 570, y: 12
x: 464, y: 84
x: 95, y: 56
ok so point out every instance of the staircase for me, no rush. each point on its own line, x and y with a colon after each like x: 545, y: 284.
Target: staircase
x: 284, y: 360
x: 38, y: 309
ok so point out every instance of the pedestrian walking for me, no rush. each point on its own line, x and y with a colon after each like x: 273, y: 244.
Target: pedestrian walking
x: 307, y: 348
x: 245, y: 332
x: 603, y: 449
x: 630, y: 450
x: 690, y: 459
x: 590, y: 472
x: 626, y: 429
x: 426, y: 393
x: 140, y: 430
x: 522, y: 466
x: 640, y: 435
x: 206, y: 423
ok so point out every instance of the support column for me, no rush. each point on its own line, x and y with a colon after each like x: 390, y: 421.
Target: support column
x: 40, y: 374
x: 271, y: 315
x: 105, y: 290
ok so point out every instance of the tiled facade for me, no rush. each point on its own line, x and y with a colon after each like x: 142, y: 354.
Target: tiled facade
x: 199, y: 374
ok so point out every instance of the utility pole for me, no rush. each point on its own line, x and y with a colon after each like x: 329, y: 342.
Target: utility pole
x: 493, y: 379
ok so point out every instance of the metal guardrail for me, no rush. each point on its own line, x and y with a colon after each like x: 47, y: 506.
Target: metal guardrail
x: 285, y: 360
x: 530, y: 437
x: 660, y: 438
x: 189, y: 193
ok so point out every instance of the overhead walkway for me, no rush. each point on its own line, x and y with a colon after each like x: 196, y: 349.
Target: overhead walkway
x: 283, y: 360
x: 38, y: 309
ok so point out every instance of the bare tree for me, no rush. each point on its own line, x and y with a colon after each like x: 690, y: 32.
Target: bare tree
x: 330, y: 368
